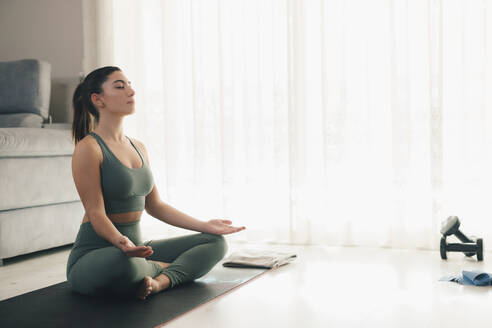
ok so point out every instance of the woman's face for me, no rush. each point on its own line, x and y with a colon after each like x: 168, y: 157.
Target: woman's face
x: 117, y: 95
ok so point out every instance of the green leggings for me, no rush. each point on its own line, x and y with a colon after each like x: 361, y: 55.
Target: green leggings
x: 97, y: 267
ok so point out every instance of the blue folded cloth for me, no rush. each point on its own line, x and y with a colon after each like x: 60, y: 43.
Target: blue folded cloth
x: 471, y: 278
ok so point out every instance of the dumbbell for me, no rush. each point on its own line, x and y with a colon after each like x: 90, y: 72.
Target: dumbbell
x: 469, y: 246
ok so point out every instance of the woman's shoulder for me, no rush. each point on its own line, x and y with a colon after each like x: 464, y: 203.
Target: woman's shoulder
x: 88, y: 147
x: 87, y: 142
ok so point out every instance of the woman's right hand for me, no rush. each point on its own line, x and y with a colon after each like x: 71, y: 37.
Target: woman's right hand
x: 129, y: 248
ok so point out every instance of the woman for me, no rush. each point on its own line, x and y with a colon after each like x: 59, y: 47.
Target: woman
x: 115, y: 184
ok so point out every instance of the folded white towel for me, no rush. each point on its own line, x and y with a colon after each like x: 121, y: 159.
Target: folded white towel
x: 250, y: 258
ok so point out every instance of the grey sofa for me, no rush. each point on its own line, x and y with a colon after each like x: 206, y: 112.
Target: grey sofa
x: 39, y: 204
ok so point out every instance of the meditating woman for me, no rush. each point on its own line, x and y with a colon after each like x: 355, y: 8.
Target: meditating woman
x: 114, y: 181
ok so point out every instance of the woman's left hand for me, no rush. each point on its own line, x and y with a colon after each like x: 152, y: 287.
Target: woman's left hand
x: 221, y: 227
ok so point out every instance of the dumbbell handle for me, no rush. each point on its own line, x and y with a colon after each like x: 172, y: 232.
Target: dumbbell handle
x: 462, y: 237
x: 461, y: 247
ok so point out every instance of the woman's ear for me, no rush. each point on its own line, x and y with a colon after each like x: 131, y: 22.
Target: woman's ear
x: 96, y: 100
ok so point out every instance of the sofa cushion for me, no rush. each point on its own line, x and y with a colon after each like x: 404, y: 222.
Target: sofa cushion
x: 25, y: 87
x: 35, y: 166
x: 35, y: 142
x: 36, y: 181
x: 36, y: 228
x: 27, y: 120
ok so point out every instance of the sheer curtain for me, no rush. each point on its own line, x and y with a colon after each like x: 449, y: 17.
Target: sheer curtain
x: 346, y: 122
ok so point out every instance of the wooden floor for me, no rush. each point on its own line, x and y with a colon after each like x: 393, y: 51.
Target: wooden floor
x: 324, y: 287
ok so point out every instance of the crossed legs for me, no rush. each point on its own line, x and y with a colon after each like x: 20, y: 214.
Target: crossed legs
x: 173, y: 262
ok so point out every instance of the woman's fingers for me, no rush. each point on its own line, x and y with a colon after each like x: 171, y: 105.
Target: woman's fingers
x: 139, y: 251
x: 144, y: 251
x: 234, y: 229
x: 222, y: 227
x: 142, y: 248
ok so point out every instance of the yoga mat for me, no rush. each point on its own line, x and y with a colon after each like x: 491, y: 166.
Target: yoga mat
x: 58, y: 306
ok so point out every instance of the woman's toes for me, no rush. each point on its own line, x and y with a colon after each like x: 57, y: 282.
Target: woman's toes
x: 149, y: 290
x: 145, y: 288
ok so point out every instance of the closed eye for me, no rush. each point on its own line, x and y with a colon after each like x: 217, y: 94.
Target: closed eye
x: 121, y: 86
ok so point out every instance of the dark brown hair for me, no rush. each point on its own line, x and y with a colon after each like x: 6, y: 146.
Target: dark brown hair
x: 85, y: 114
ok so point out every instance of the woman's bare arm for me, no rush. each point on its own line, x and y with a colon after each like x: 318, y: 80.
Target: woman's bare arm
x: 168, y: 214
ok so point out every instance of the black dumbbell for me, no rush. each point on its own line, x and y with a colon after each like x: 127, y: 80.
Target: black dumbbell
x: 469, y: 247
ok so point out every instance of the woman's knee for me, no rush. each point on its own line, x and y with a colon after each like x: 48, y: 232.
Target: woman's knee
x: 220, y: 244
x: 127, y: 268
x: 107, y: 271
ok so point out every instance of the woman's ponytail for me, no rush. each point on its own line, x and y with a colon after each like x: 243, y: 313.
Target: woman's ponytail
x: 85, y: 114
x: 82, y: 120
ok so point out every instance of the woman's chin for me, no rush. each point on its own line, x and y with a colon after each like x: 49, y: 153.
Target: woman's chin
x: 130, y: 111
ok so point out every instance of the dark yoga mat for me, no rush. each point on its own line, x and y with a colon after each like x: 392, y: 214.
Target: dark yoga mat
x: 57, y: 306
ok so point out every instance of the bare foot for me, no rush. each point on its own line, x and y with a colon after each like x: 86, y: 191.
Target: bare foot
x: 145, y: 288
x: 151, y: 286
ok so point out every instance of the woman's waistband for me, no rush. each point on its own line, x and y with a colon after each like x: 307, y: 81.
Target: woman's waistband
x: 87, y: 236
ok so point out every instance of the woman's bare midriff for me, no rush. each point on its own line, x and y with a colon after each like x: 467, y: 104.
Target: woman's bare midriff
x: 120, y: 217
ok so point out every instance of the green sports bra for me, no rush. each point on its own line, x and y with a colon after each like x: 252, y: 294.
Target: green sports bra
x: 124, y: 189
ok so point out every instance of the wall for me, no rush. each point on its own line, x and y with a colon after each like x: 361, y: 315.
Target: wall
x: 50, y: 30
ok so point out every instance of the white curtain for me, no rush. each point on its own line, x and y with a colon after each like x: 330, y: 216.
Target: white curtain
x: 348, y: 122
